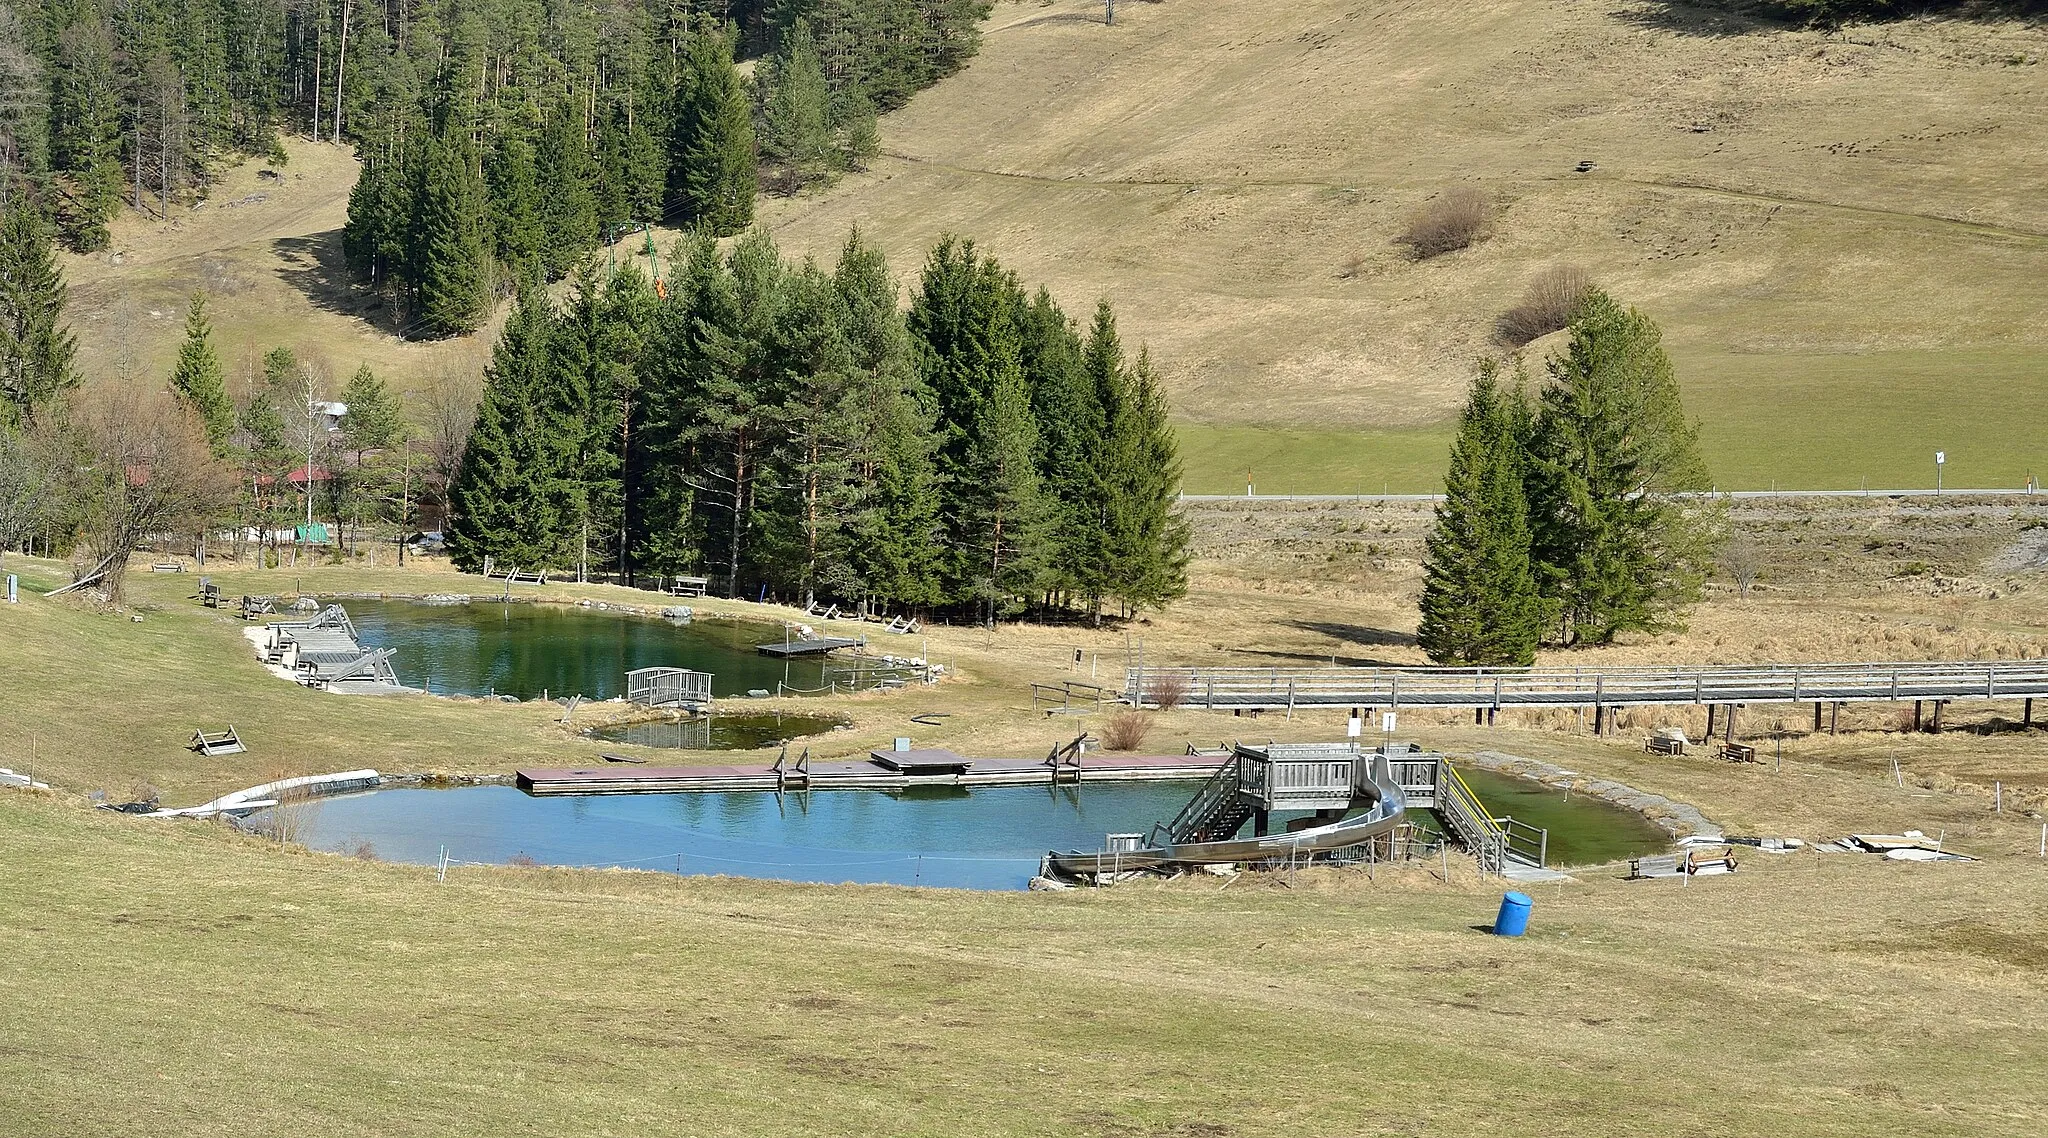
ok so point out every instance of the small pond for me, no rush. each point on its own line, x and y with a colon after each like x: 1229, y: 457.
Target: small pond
x: 716, y: 732
x: 524, y: 650
x: 986, y: 838
x: 1583, y: 830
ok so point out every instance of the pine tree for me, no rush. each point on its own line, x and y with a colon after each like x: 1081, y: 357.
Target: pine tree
x: 505, y: 500
x: 374, y: 423
x: 452, y: 273
x: 85, y: 129
x: 711, y: 153
x: 198, y: 380
x: 1068, y: 409
x: 1615, y: 550
x: 1480, y: 606
x: 860, y: 137
x: 374, y: 238
x: 36, y: 349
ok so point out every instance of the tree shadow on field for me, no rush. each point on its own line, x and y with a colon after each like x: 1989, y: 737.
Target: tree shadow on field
x: 1357, y: 634
x: 1718, y: 19
x: 314, y: 265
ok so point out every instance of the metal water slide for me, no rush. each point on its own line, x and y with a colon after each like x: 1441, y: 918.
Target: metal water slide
x: 1387, y: 808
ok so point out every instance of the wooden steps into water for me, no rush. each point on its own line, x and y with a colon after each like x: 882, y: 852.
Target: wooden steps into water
x: 816, y: 647
x: 912, y: 769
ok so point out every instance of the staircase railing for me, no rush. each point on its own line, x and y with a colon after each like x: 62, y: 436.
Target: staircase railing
x: 1469, y: 820
x: 1217, y: 796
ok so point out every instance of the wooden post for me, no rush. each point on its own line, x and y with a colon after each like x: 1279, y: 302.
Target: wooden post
x: 1834, y: 716
x: 1937, y: 715
x: 2027, y: 717
x: 1816, y: 718
x: 1731, y: 721
x: 1599, y: 720
x: 1916, y: 715
x: 1711, y: 709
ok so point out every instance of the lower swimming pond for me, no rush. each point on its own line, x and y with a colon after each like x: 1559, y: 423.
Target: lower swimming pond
x: 985, y: 838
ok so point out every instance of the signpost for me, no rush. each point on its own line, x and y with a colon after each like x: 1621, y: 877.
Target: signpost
x: 1940, y: 457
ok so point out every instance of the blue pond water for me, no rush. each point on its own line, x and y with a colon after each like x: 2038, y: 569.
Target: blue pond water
x: 988, y: 838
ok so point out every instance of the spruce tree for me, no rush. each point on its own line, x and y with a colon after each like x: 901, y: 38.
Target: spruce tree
x: 568, y: 208
x: 85, y: 129
x: 1616, y: 551
x: 795, y: 128
x: 452, y: 272
x: 375, y: 422
x: 505, y: 500
x: 516, y: 213
x: 860, y: 137
x: 1480, y: 606
x: 1146, y: 543
x: 711, y: 152
x: 198, y: 380
x: 1003, y: 521
x: 36, y: 349
x: 1068, y: 410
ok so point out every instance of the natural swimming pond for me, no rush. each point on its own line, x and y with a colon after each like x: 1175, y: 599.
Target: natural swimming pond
x: 717, y: 732
x: 988, y: 838
x: 1583, y: 830
x: 525, y: 650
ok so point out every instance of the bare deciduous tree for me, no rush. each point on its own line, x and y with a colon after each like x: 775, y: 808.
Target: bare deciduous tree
x: 1743, y: 562
x: 147, y: 473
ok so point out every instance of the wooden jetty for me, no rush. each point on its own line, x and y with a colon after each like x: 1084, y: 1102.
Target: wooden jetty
x: 881, y: 770
x: 817, y: 647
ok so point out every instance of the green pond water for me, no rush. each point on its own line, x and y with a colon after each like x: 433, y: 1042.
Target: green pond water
x: 718, y: 732
x: 525, y: 650
x: 1583, y: 830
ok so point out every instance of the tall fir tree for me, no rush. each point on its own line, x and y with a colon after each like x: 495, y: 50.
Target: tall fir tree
x: 1145, y: 547
x: 85, y: 126
x: 198, y: 380
x: 1004, y: 521
x: 796, y: 129
x: 568, y: 210
x: 1480, y: 605
x: 505, y: 502
x: 1071, y: 429
x: 711, y: 153
x: 1616, y: 550
x: 516, y: 215
x: 36, y: 349
x: 451, y: 242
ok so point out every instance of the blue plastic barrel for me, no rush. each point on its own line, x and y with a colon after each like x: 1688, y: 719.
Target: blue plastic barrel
x: 1514, y: 915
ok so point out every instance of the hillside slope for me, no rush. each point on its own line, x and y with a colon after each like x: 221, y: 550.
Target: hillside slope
x: 1843, y: 236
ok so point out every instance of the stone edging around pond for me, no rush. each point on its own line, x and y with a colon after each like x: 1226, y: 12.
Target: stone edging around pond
x: 1680, y: 819
x: 670, y: 612
x: 442, y: 779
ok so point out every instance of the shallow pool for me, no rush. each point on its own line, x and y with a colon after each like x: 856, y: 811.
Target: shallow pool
x: 526, y: 650
x: 1583, y: 830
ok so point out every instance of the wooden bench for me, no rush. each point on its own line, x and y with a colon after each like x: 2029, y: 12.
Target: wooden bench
x: 167, y: 567
x: 1738, y: 752
x: 1660, y: 745
x: 218, y: 743
x: 687, y: 586
x: 209, y: 595
x: 1701, y: 858
x: 253, y: 607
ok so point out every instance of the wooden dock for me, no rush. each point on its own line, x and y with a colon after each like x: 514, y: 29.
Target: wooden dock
x: 816, y: 647
x: 882, y: 770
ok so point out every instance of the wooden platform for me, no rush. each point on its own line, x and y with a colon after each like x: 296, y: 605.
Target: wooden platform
x: 928, y: 768
x: 806, y: 647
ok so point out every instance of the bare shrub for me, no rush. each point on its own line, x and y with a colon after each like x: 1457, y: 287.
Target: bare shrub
x: 522, y: 860
x: 1353, y: 266
x: 1450, y: 221
x: 1553, y: 296
x: 1126, y: 730
x: 145, y: 793
x: 363, y: 851
x: 1165, y: 692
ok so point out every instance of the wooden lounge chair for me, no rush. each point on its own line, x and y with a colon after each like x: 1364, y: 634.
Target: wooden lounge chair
x: 218, y: 742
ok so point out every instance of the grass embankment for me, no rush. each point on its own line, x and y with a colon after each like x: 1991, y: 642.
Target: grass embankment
x: 185, y: 980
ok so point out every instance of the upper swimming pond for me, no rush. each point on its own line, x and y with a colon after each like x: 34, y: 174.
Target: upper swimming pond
x: 526, y: 650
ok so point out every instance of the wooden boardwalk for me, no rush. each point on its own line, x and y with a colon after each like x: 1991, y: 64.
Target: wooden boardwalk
x: 1278, y: 688
x: 883, y: 770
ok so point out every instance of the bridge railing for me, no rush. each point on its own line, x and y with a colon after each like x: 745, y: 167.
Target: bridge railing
x: 1463, y: 687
